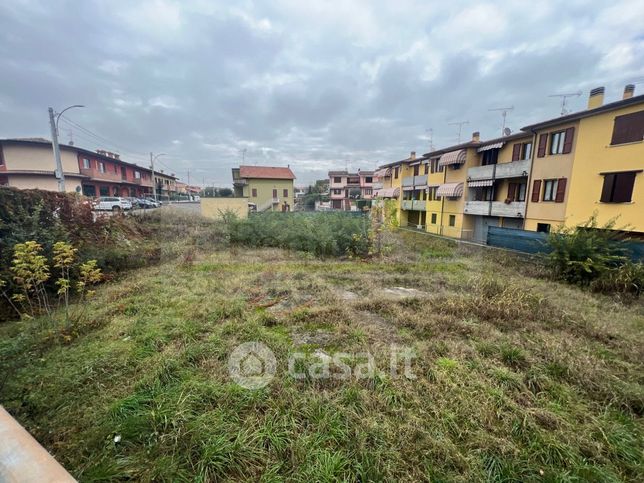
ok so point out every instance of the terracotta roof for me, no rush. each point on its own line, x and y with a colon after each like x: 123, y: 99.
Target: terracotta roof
x: 268, y: 172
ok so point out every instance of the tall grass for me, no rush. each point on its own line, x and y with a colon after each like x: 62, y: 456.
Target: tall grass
x: 323, y: 234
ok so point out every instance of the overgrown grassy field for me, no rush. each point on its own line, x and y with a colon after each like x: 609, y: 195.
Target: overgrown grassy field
x: 518, y: 378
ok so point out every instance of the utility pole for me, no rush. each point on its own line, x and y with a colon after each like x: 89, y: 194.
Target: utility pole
x: 60, y: 176
x: 504, y: 113
x: 460, y: 125
x: 154, y: 181
x: 189, y: 191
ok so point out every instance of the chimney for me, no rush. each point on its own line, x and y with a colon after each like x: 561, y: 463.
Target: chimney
x: 476, y: 137
x: 412, y: 156
x: 629, y: 90
x: 596, y: 98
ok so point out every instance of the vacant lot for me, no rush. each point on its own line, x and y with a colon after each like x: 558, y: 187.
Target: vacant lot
x: 518, y: 378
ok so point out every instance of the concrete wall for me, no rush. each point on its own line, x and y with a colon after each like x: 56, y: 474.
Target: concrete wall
x: 42, y: 182
x: 214, y: 207
x: 38, y: 158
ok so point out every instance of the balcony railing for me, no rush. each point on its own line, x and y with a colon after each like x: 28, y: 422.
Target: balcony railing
x: 515, y: 169
x: 420, y: 180
x: 419, y: 205
x: 141, y: 181
x: 240, y: 181
x: 408, y: 181
x: 105, y: 175
x: 515, y: 209
x: 377, y: 185
x: 407, y: 204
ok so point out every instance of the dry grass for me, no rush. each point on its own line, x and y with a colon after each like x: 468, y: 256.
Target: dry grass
x: 519, y: 378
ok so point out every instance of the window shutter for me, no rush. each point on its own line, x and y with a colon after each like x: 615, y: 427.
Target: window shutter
x: 512, y: 189
x: 536, y: 190
x: 623, y: 187
x: 628, y: 128
x: 543, y: 142
x: 570, y: 134
x: 607, y: 189
x: 561, y: 190
x: 516, y: 152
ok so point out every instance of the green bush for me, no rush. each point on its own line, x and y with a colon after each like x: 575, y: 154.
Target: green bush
x: 625, y: 279
x: 584, y: 253
x: 323, y: 234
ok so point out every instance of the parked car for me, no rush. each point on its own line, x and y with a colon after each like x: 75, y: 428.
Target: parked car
x: 112, y: 203
x: 155, y: 203
x: 135, y: 202
x: 145, y: 203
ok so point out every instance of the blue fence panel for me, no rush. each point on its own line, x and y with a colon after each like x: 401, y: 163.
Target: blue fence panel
x: 534, y: 242
x: 515, y: 239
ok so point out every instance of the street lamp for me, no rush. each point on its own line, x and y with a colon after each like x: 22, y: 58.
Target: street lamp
x: 54, y: 141
x: 154, y: 181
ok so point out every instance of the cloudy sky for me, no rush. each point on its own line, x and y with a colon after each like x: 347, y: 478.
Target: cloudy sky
x: 314, y: 84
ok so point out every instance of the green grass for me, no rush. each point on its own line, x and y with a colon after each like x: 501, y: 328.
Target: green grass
x: 518, y: 378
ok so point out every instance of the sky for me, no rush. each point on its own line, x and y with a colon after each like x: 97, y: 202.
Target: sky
x: 316, y: 85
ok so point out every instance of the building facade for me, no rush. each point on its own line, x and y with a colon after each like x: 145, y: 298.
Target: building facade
x: 268, y: 188
x: 346, y: 188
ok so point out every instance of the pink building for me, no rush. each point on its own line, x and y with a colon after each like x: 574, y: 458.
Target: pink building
x: 345, y: 188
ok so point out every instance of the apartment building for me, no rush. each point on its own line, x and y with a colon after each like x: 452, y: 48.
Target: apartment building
x: 589, y: 162
x: 268, y: 188
x: 496, y: 187
x: 28, y: 163
x: 413, y: 203
x: 345, y: 188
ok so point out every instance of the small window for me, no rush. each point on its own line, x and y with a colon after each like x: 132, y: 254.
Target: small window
x: 543, y: 227
x: 427, y: 168
x: 550, y: 189
x: 104, y: 191
x: 274, y: 193
x: 101, y: 166
x: 86, y: 163
x: 452, y: 220
x: 254, y: 192
x: 628, y: 128
x: 368, y: 179
x: 285, y: 193
x: 526, y: 150
x: 337, y: 179
x: 417, y: 170
x: 618, y: 187
x: 396, y: 172
x: 368, y: 192
x: 137, y: 174
x: 490, y: 156
x: 557, y: 140
x: 433, y: 218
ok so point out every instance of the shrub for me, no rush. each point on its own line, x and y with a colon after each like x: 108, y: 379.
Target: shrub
x: 625, y: 279
x: 586, y: 252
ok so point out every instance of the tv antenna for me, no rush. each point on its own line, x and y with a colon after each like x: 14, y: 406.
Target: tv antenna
x: 504, y: 112
x: 430, y: 138
x: 460, y: 125
x: 243, y: 153
x: 564, y: 98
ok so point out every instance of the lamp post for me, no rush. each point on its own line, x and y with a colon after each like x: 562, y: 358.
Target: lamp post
x: 154, y: 181
x: 53, y: 122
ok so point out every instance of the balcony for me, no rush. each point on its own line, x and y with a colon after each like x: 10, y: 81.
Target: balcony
x: 407, y: 204
x: 408, y: 181
x: 339, y: 196
x: 420, y: 180
x: 140, y: 182
x: 104, y: 176
x: 515, y: 169
x: 419, y: 205
x: 240, y: 181
x: 515, y: 209
x: 377, y: 185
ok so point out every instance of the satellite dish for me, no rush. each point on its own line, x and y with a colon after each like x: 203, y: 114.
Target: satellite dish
x: 507, y: 131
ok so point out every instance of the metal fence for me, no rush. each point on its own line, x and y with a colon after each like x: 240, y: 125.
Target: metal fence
x: 534, y: 242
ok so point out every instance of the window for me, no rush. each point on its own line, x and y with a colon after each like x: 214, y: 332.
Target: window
x: 104, y: 191
x: 526, y: 150
x: 433, y: 218
x: 431, y: 193
x: 337, y: 192
x: 516, y: 192
x: 557, y: 142
x: 549, y: 189
x: 368, y: 179
x: 417, y: 170
x: 86, y: 163
x: 101, y: 166
x: 337, y: 179
x: 618, y: 187
x: 628, y: 128
x: 543, y: 227
x: 137, y: 174
x: 254, y: 192
x: 368, y: 192
x: 490, y: 156
x: 427, y: 168
x: 396, y: 172
x: 285, y: 193
x: 452, y: 220
x: 274, y: 193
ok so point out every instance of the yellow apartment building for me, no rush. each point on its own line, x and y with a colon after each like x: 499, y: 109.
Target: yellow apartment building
x: 589, y: 162
x: 268, y: 188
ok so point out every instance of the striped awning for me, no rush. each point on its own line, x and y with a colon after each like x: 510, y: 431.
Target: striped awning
x: 387, y: 193
x: 450, y: 190
x: 487, y: 147
x: 480, y: 183
x: 454, y: 157
x: 382, y: 173
x: 433, y: 185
